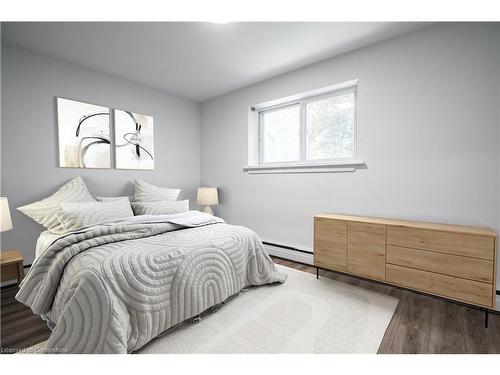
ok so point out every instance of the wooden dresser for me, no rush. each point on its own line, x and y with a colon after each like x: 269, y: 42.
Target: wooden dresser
x: 451, y: 261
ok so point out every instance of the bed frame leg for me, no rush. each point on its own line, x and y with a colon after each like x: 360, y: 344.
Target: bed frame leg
x: 317, y: 272
x: 197, y: 319
x: 486, y: 318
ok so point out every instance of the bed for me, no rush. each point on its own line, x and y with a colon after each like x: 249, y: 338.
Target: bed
x: 113, y: 287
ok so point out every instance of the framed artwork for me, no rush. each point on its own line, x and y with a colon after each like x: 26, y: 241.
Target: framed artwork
x: 134, y: 140
x: 84, y: 134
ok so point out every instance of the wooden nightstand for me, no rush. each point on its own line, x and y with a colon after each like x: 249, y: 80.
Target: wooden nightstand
x: 12, y: 265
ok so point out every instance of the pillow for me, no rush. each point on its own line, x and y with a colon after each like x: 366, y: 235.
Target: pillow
x: 44, y: 211
x: 78, y: 215
x: 145, y: 192
x: 160, y: 208
x: 112, y: 199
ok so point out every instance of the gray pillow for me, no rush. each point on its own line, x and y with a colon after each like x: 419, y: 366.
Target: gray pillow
x: 146, y: 192
x: 45, y: 211
x: 79, y: 215
x: 160, y: 208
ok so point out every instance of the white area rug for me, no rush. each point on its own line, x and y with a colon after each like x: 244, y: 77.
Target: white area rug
x: 303, y: 315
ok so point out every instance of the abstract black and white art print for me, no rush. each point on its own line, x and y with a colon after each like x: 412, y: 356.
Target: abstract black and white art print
x: 134, y: 140
x: 84, y: 135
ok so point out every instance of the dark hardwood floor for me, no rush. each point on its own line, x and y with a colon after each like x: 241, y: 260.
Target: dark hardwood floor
x: 19, y: 327
x: 421, y: 324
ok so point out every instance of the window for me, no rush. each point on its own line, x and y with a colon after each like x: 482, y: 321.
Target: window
x: 330, y: 128
x: 314, y: 129
x: 280, y: 134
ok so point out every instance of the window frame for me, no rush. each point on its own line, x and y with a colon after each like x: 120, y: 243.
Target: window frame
x: 257, y: 139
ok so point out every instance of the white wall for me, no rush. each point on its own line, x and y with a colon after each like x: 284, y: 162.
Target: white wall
x: 29, y: 149
x: 428, y: 132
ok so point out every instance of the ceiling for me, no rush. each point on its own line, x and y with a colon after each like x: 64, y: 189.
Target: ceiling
x: 198, y: 60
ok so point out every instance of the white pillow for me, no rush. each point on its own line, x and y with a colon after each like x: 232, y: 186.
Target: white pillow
x: 146, y: 192
x: 79, y: 215
x: 45, y: 211
x: 160, y: 208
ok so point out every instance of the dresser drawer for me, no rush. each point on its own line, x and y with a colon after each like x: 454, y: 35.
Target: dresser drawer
x: 453, y: 265
x: 473, y: 292
x: 445, y: 242
x: 330, y: 243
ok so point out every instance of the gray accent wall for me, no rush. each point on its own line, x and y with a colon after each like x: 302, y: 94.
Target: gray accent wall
x: 428, y: 130
x: 29, y: 148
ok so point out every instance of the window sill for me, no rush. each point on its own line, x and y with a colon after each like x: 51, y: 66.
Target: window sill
x: 329, y: 167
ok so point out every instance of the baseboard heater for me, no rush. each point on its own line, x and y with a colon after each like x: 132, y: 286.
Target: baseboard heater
x: 290, y: 252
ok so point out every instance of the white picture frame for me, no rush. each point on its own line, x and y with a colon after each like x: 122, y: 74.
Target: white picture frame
x: 83, y: 134
x: 133, y: 140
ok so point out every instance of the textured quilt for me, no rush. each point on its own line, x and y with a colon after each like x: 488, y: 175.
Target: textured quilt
x: 114, y: 287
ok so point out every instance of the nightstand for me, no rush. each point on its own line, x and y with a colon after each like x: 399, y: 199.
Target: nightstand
x: 12, y: 265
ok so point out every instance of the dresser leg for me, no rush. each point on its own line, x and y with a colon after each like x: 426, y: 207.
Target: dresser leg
x: 20, y: 272
x: 317, y: 272
x: 485, y: 318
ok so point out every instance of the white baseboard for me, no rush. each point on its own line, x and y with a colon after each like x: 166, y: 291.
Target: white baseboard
x: 290, y: 254
x: 7, y: 283
x: 497, y: 306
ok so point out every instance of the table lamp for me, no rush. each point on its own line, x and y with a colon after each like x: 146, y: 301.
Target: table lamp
x: 12, y: 262
x: 5, y: 220
x: 207, y: 196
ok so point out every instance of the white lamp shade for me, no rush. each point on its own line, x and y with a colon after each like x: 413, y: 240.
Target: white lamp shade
x: 207, y: 196
x: 5, y: 220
